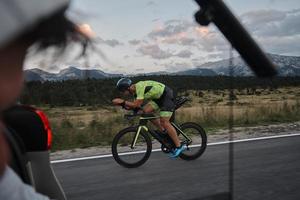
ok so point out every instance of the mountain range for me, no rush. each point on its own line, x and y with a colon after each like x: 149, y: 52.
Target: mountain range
x: 286, y: 66
x: 66, y: 74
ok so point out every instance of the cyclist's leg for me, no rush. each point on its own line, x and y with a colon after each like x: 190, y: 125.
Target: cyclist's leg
x: 165, y: 123
x: 150, y: 107
x: 167, y: 107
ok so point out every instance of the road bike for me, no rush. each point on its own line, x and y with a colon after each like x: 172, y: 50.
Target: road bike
x: 132, y: 146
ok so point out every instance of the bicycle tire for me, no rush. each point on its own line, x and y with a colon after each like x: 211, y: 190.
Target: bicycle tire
x: 116, y: 143
x: 188, y: 154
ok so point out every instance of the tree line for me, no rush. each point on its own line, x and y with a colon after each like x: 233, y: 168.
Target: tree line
x: 99, y: 92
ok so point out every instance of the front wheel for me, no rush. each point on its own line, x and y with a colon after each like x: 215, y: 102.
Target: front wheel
x: 199, y: 140
x: 124, y: 154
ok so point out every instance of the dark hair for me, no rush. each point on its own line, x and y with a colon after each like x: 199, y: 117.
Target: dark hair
x: 57, y: 30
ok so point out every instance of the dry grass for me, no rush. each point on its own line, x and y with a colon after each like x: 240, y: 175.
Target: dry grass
x: 83, y: 126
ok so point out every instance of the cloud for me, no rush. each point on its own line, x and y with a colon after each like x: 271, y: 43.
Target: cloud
x: 177, y: 66
x: 151, y: 3
x: 140, y: 69
x: 174, y: 32
x: 262, y: 16
x: 272, y: 22
x: 79, y: 14
x: 154, y: 51
x: 277, y: 31
x: 170, y: 28
x: 199, y: 60
x: 182, y: 33
x: 184, y: 54
x: 185, y: 33
x: 134, y: 42
x: 285, y: 45
x: 110, y: 42
x: 180, y: 39
x: 186, y: 41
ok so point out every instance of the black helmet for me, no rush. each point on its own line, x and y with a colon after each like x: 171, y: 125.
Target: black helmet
x: 123, y: 84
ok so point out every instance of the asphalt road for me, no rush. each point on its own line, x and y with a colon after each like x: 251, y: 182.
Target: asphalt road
x: 265, y: 169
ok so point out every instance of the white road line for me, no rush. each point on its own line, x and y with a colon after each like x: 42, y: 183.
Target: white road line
x: 155, y: 150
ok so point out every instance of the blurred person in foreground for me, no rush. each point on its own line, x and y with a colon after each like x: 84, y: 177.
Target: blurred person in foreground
x: 24, y: 24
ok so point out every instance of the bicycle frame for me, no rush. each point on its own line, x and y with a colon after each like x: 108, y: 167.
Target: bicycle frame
x: 143, y: 126
x: 181, y: 132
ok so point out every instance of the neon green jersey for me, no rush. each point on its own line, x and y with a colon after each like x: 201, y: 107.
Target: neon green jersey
x: 155, y: 92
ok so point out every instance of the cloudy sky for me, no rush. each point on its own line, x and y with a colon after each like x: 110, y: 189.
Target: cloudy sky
x: 137, y: 36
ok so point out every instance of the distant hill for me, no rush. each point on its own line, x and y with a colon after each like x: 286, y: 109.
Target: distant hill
x: 75, y: 73
x: 32, y: 76
x: 69, y: 73
x: 197, y: 72
x: 286, y: 65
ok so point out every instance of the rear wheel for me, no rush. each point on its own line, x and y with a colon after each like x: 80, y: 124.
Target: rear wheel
x: 124, y: 154
x: 197, y: 146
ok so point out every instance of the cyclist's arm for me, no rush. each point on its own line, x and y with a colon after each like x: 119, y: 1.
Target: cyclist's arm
x: 135, y: 104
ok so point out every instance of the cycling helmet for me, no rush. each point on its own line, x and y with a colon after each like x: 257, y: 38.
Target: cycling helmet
x: 123, y: 84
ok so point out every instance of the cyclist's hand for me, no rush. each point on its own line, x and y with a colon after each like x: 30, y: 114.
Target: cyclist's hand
x: 117, y: 101
x: 137, y: 110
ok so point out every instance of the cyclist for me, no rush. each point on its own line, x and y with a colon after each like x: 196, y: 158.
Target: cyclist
x: 156, y: 96
x: 23, y: 24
